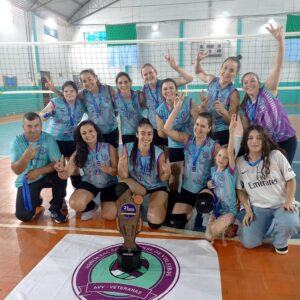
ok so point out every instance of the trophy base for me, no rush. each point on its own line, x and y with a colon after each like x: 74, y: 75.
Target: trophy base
x: 129, y: 261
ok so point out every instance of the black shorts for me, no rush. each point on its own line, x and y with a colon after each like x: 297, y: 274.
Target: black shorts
x: 158, y: 141
x: 188, y: 197
x: 107, y: 194
x: 176, y: 154
x: 128, y: 138
x: 162, y: 189
x: 112, y: 138
x: 222, y: 137
x: 66, y: 147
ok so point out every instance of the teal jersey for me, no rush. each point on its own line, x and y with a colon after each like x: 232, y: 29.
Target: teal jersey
x: 101, y: 109
x: 91, y: 170
x: 224, y: 189
x: 183, y: 121
x: 153, y: 99
x: 48, y: 151
x: 197, y: 163
x: 141, y: 170
x: 130, y: 112
x: 65, y: 119
x: 223, y: 95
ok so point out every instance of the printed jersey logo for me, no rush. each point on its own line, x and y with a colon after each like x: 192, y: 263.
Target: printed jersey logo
x: 98, y: 276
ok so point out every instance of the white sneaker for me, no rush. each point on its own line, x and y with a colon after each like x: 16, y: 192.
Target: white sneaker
x: 88, y: 215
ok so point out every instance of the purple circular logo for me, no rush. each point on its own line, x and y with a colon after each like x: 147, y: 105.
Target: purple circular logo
x: 98, y: 276
x: 128, y: 210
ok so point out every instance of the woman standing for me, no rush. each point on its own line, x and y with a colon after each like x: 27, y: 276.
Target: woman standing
x: 64, y: 113
x: 222, y: 98
x: 98, y: 99
x: 142, y: 166
x: 266, y: 188
x: 97, y: 162
x: 152, y: 90
x: 262, y: 106
x: 183, y: 123
x: 130, y: 105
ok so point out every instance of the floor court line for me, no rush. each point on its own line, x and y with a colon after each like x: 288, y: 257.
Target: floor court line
x: 179, y: 233
x: 186, y: 235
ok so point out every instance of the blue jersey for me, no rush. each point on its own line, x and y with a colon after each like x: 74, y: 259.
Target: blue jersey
x: 91, y: 170
x: 183, y: 121
x: 153, y: 99
x: 224, y: 189
x: 223, y: 95
x: 197, y: 163
x: 66, y: 118
x: 47, y: 152
x: 130, y: 112
x: 101, y: 109
x: 141, y: 172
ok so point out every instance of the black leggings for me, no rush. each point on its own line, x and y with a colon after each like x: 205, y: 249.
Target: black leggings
x: 289, y: 146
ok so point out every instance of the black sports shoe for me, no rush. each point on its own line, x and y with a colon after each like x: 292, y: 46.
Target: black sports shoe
x: 58, y: 216
x: 283, y: 250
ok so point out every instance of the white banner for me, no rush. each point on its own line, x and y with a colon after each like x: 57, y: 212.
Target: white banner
x: 85, y: 267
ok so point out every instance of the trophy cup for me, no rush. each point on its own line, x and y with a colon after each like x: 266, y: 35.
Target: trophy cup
x: 129, y: 223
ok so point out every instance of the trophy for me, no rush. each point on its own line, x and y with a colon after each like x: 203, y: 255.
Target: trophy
x: 129, y: 223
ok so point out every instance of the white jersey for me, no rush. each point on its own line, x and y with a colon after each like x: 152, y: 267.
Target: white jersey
x: 265, y: 191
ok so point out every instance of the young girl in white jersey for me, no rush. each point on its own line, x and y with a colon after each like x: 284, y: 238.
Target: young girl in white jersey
x: 223, y: 180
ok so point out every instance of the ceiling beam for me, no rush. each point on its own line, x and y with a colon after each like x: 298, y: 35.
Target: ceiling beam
x: 90, y: 8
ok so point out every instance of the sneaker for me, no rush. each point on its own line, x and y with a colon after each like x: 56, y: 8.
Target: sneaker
x: 58, y: 216
x: 88, y: 215
x: 283, y: 250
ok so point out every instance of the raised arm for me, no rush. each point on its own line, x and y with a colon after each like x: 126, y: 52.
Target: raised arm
x: 160, y: 127
x: 50, y: 86
x: 123, y: 165
x: 185, y: 77
x: 207, y: 78
x: 20, y: 165
x: 274, y: 76
x: 164, y: 169
x: 175, y: 135
x: 230, y: 150
x: 112, y: 169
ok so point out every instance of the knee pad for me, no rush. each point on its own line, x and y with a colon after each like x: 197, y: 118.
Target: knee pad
x: 178, y: 220
x: 204, y: 203
x: 154, y: 226
x: 121, y: 188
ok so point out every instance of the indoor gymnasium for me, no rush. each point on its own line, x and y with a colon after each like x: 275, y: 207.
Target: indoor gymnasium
x: 149, y: 149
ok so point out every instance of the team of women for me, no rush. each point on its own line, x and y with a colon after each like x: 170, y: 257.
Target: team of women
x: 180, y: 154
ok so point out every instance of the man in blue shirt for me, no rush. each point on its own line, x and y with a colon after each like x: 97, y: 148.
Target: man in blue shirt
x: 32, y: 158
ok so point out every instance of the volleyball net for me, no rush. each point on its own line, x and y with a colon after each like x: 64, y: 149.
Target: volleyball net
x: 23, y: 66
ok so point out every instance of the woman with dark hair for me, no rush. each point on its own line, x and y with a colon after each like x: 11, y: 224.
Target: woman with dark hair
x: 142, y: 166
x: 222, y: 98
x: 266, y: 188
x: 199, y: 151
x: 97, y: 163
x: 152, y: 90
x: 98, y: 99
x: 130, y: 105
x: 64, y: 113
x: 183, y: 123
x: 262, y: 106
